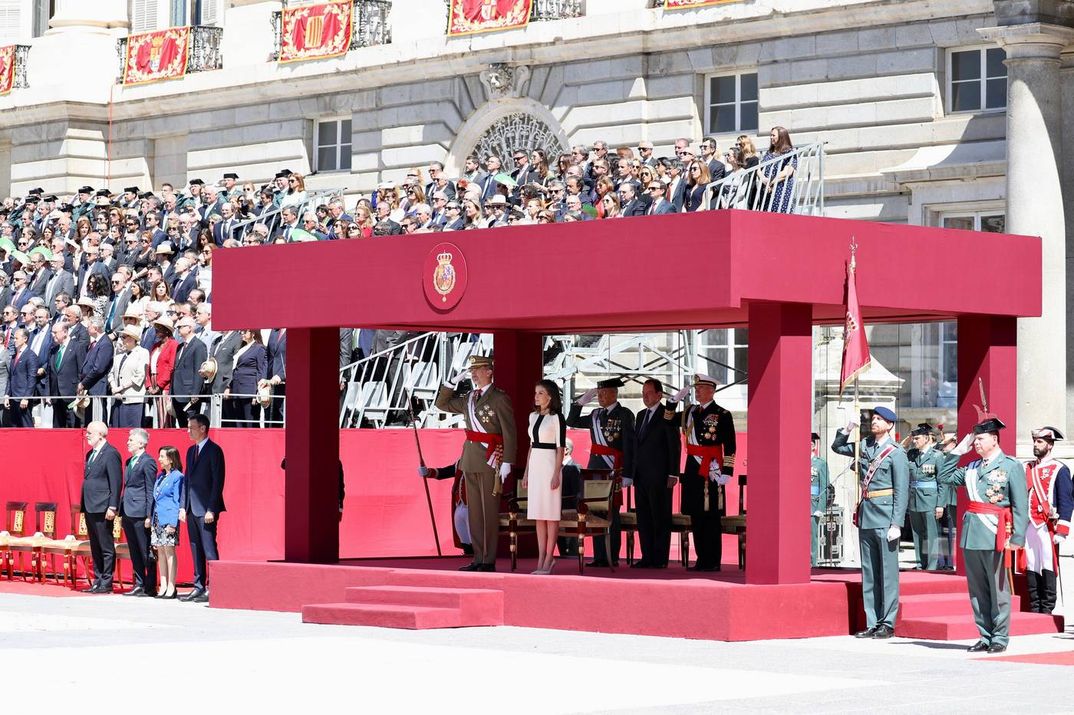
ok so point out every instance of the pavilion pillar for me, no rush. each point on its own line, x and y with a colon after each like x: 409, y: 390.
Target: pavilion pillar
x: 988, y: 355
x: 311, y: 486
x: 780, y: 412
x: 519, y: 365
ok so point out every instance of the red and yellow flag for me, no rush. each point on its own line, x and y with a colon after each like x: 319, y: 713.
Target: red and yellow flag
x: 468, y: 17
x: 689, y: 4
x: 7, y: 69
x: 315, y: 32
x: 855, y: 345
x: 156, y: 56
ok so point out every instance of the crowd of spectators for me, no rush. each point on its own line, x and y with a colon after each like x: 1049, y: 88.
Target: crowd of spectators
x: 107, y: 298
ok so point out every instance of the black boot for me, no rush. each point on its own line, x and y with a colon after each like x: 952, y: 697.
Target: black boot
x: 1047, y: 591
x: 1033, y: 591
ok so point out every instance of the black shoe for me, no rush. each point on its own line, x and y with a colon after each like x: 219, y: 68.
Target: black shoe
x: 997, y: 648
x: 91, y: 589
x: 643, y: 564
x: 867, y: 633
x: 471, y: 567
x: 104, y: 589
x: 192, y: 596
x: 978, y: 647
x: 597, y: 565
x: 486, y: 567
x: 136, y: 591
x: 203, y: 597
x: 883, y: 632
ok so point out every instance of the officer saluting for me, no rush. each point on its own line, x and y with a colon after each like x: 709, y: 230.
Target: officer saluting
x: 885, y: 480
x: 818, y: 493
x: 710, y: 464
x: 926, y: 464
x: 995, y: 520
x: 611, y: 430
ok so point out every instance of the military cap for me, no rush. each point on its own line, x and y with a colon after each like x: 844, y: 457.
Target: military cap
x: 146, y: 195
x: 923, y: 428
x: 131, y: 190
x: 813, y: 436
x: 885, y: 414
x: 50, y: 197
x: 31, y: 199
x: 991, y: 425
x: 1048, y: 433
x: 231, y: 175
x: 614, y: 382
x: 38, y: 191
x: 66, y: 208
x: 480, y: 361
x: 85, y: 190
x: 104, y: 192
x: 197, y: 182
x: 700, y: 379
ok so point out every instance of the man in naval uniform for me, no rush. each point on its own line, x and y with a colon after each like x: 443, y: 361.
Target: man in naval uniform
x: 995, y: 520
x: 487, y: 456
x: 1050, y: 504
x: 818, y: 494
x: 926, y: 464
x: 611, y: 430
x: 885, y: 481
x: 710, y: 464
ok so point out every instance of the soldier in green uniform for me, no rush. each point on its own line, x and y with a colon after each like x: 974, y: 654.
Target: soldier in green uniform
x: 995, y: 520
x: 926, y: 464
x: 818, y: 494
x: 885, y: 481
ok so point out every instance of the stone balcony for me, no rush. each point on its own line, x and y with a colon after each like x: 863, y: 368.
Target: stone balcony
x: 371, y: 26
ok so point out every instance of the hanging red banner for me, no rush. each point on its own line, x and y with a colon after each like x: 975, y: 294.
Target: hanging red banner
x: 7, y: 69
x: 156, y: 56
x: 689, y: 4
x: 468, y: 17
x: 314, y: 32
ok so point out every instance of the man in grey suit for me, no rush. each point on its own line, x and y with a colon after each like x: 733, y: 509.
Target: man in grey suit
x: 121, y: 296
x: 100, y: 503
x: 138, y: 480
x: 223, y: 350
x: 62, y: 281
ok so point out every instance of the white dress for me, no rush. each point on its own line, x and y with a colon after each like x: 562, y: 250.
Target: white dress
x: 547, y: 433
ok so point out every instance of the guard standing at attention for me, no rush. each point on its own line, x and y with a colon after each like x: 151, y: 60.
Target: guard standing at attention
x: 818, y: 495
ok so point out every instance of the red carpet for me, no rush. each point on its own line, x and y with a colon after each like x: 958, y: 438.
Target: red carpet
x: 23, y: 588
x: 1064, y: 658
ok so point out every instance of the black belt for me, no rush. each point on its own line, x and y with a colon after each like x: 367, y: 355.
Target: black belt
x: 544, y: 445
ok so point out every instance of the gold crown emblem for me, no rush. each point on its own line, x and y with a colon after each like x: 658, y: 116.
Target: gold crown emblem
x: 444, y: 258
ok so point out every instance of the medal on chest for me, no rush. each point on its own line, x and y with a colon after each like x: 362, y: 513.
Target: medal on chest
x: 997, y: 482
x: 611, y: 429
x: 484, y: 414
x: 708, y: 427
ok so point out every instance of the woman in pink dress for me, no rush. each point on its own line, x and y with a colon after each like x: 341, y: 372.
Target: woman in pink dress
x: 548, y: 435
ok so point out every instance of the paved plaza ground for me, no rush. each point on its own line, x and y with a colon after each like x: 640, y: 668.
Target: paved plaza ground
x: 158, y: 652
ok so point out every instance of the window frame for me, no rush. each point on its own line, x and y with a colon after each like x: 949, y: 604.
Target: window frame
x: 316, y: 158
x: 982, y: 81
x: 707, y: 100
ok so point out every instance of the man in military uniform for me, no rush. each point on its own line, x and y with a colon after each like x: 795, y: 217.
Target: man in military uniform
x: 885, y: 481
x: 818, y: 494
x: 926, y: 464
x: 947, y: 507
x: 487, y: 456
x: 1050, y: 504
x: 995, y: 521
x: 611, y: 430
x: 710, y: 464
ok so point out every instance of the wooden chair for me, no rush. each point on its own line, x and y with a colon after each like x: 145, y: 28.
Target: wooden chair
x: 600, y: 488
x: 514, y: 522
x: 737, y: 524
x: 10, y: 541
x: 628, y: 523
x: 77, y: 548
x: 123, y: 551
x: 44, y: 534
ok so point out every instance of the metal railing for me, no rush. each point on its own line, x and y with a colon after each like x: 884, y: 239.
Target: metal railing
x: 758, y: 189
x: 271, y: 218
x: 556, y: 9
x: 369, y: 26
x: 22, y: 58
x: 203, y: 54
x: 155, y: 413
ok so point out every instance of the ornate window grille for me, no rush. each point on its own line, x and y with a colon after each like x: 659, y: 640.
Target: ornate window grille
x: 204, y: 53
x: 370, y: 26
x: 556, y: 9
x: 518, y: 131
x: 22, y: 58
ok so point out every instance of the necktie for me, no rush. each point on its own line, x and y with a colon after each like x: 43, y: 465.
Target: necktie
x: 111, y: 314
x: 59, y: 356
x: 645, y: 422
x: 92, y: 456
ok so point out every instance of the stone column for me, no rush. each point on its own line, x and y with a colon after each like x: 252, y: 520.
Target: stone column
x: 88, y: 31
x: 1035, y: 208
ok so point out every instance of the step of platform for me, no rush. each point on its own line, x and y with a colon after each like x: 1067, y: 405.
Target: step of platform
x: 955, y: 628
x: 941, y: 604
x: 478, y: 606
x: 383, y: 615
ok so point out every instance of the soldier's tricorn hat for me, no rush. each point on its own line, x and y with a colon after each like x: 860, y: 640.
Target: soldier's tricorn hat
x: 614, y: 382
x: 231, y: 175
x: 992, y: 424
x: 480, y: 361
x: 700, y: 379
x: 923, y: 428
x: 885, y: 414
x: 813, y: 436
x: 131, y: 190
x: 197, y: 182
x: 1049, y: 433
x: 86, y: 190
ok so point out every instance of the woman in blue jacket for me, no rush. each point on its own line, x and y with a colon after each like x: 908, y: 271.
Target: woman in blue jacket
x: 168, y: 492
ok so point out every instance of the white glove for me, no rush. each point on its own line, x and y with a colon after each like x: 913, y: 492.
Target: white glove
x: 677, y: 397
x: 425, y: 472
x: 817, y: 514
x: 627, y: 482
x: 505, y: 472
x: 963, y: 446
x: 894, y: 533
x: 851, y: 426
x: 586, y: 397
x: 722, y: 478
x: 1058, y: 539
x: 457, y: 377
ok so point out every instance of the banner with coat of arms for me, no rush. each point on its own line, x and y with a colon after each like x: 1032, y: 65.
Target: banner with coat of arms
x: 7, y: 69
x: 468, y: 17
x: 689, y: 4
x: 314, y: 32
x: 156, y: 56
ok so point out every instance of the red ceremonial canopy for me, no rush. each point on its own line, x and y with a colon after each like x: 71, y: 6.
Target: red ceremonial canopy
x: 314, y: 32
x: 156, y: 56
x: 472, y: 16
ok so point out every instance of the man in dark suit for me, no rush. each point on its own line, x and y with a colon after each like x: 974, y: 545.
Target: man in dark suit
x: 276, y: 348
x: 186, y: 378
x: 93, y: 379
x: 100, y: 503
x: 633, y: 205
x: 63, y: 367
x: 38, y: 280
x: 656, y: 464
x: 611, y: 429
x: 717, y: 169
x: 659, y: 204
x: 138, y: 480
x: 223, y: 350
x: 677, y: 186
x: 22, y: 381
x: 186, y: 279
x: 204, y: 502
x: 121, y: 296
